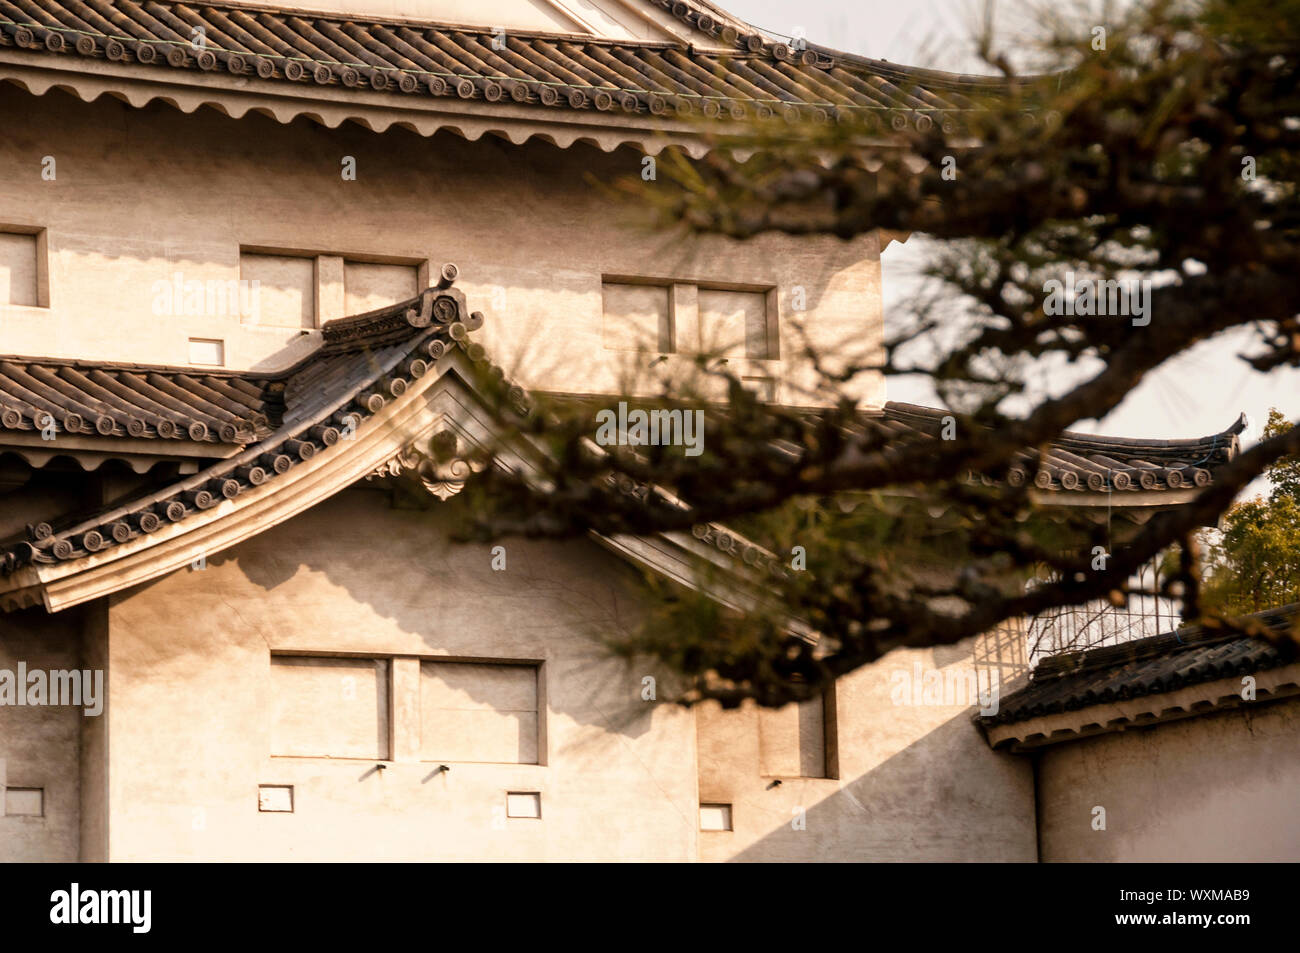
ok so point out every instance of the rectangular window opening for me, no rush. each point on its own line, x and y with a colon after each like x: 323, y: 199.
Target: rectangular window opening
x: 324, y: 707
x: 370, y: 285
x: 275, y: 798
x: 637, y: 317
x: 798, y: 740
x: 527, y: 804
x: 484, y: 712
x: 25, y: 802
x: 690, y: 317
x: 735, y: 324
x: 209, y: 352
x: 281, y: 289
x: 715, y: 817
x: 23, y: 267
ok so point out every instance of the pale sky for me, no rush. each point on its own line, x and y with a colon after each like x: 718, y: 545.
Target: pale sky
x: 1200, y: 393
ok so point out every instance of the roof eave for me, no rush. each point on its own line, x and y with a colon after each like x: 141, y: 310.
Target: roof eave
x: 1149, y: 500
x: 332, y: 106
x: 444, y: 399
x: 174, y: 546
x: 1223, y: 694
x: 91, y: 452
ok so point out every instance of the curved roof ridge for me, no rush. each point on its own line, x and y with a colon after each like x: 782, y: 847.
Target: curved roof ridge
x: 1234, y: 429
x: 368, y: 360
x: 1093, y: 462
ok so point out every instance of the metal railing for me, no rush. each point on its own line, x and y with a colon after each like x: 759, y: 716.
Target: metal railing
x: 1097, y: 624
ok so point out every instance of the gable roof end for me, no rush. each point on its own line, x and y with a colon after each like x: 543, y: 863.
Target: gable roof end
x: 362, y: 364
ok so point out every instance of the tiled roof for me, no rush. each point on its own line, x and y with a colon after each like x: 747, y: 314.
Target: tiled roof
x: 1150, y: 666
x: 275, y: 419
x: 120, y: 400
x: 363, y: 362
x: 757, y: 78
x: 1078, y: 462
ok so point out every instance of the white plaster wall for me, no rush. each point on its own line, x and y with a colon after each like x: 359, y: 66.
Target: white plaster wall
x: 620, y: 778
x: 191, y: 738
x: 39, y: 745
x: 916, y: 781
x: 1212, y: 788
x: 143, y: 194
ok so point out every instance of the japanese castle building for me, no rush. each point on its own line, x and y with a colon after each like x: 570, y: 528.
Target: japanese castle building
x: 231, y: 332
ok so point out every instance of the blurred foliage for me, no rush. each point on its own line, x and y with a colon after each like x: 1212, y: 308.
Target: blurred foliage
x: 1255, y: 563
x: 1165, y: 153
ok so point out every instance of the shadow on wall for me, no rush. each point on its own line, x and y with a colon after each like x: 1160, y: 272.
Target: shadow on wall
x: 940, y: 799
x: 39, y: 745
x: 325, y: 578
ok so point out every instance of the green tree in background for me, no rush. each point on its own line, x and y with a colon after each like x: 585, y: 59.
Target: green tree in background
x: 1255, y: 564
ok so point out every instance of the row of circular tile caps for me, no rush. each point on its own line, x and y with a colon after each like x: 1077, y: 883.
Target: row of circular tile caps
x: 107, y: 425
x: 1192, y: 675
x: 1137, y: 478
x: 749, y: 553
x: 272, y: 462
x: 179, y: 55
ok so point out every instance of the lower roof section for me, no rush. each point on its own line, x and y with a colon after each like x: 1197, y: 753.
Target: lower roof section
x: 386, y: 391
x: 1080, y: 464
x: 390, y: 392
x: 1190, y: 671
x: 174, y: 405
x: 284, y: 420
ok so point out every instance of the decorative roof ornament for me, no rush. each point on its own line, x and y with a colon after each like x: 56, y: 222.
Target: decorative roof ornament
x: 442, y: 462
